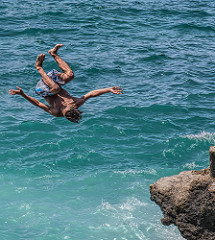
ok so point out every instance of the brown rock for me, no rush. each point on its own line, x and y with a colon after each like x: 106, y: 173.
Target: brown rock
x: 188, y: 201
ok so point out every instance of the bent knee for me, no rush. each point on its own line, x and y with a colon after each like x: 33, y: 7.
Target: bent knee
x: 70, y: 75
x: 67, y: 76
x: 55, y: 89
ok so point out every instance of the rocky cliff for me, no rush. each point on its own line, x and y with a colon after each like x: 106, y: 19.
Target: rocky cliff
x: 188, y: 201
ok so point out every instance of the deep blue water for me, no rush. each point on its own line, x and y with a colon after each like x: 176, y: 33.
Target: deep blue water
x: 61, y: 180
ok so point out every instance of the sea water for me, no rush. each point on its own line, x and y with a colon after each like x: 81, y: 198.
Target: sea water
x: 61, y: 180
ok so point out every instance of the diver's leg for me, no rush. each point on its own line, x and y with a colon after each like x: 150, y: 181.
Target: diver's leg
x: 67, y: 74
x: 54, y: 87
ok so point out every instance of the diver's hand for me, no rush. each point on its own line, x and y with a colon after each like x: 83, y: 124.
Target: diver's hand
x: 116, y: 90
x: 18, y: 92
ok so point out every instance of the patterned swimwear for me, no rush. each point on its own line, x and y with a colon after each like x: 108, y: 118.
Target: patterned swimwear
x: 42, y: 89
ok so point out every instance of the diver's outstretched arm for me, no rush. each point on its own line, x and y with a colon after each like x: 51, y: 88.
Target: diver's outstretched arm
x: 33, y: 101
x: 98, y: 92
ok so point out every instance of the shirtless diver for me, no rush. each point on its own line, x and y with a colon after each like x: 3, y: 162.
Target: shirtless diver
x: 60, y: 102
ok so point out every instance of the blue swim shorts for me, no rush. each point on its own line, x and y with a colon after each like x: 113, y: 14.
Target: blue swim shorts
x: 42, y: 89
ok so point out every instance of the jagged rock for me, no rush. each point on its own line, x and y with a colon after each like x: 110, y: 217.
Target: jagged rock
x: 188, y: 201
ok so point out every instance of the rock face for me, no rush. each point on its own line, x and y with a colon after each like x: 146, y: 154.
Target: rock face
x: 188, y: 201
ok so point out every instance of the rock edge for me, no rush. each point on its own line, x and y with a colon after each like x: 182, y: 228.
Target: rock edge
x: 187, y: 200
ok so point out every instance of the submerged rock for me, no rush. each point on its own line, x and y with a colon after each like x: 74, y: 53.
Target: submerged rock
x: 188, y: 201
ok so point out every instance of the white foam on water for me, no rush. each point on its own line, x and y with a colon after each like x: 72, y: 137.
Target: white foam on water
x: 21, y: 189
x: 66, y: 237
x: 106, y: 206
x: 202, y: 136
x: 191, y: 165
x: 184, y: 145
x: 131, y: 171
x: 119, y: 218
x: 132, y: 204
x: 25, y: 206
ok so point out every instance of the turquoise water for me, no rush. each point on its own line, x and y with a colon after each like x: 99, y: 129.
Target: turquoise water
x: 91, y: 180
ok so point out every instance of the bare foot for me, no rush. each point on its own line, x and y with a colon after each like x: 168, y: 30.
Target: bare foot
x: 54, y: 50
x: 39, y: 61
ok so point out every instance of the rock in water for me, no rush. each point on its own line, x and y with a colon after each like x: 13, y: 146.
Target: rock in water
x: 188, y: 201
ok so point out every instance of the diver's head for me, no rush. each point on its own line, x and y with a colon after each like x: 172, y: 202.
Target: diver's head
x: 73, y: 115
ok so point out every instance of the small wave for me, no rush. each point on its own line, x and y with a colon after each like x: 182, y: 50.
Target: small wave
x: 154, y: 57
x: 99, y: 70
x: 54, y: 13
x: 131, y: 171
x: 183, y: 13
x: 131, y: 204
x: 191, y: 146
x: 125, y: 11
x: 153, y: 108
x: 37, y: 126
x: 32, y: 31
x: 191, y: 165
x: 202, y: 136
x: 191, y: 26
x: 21, y: 189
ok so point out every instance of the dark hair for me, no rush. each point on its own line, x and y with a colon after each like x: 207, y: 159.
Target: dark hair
x: 73, y: 115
